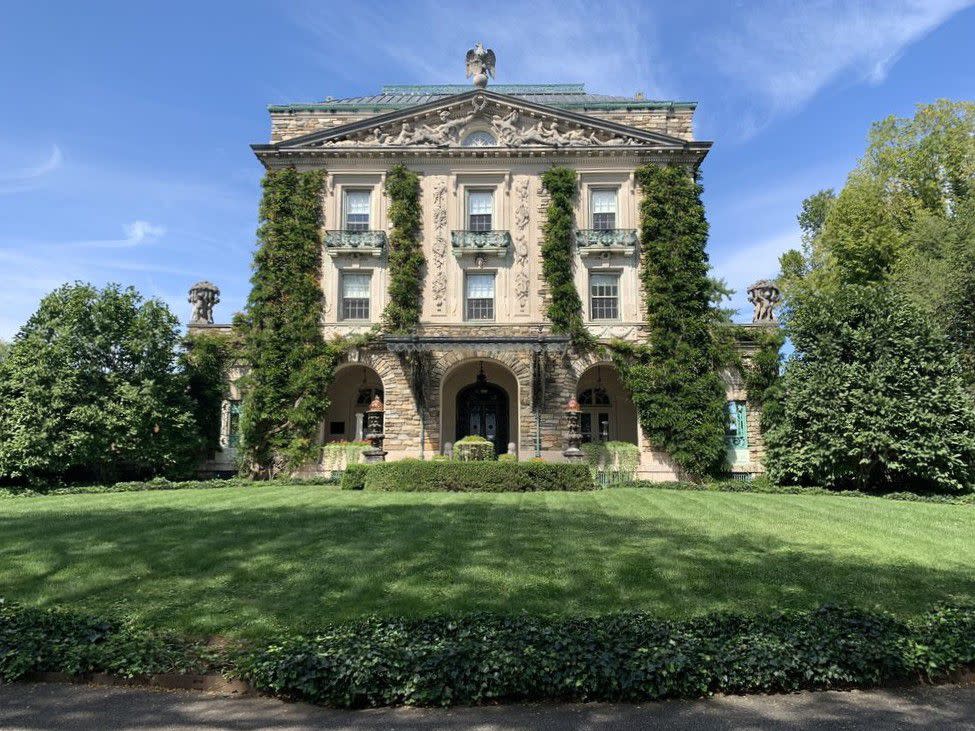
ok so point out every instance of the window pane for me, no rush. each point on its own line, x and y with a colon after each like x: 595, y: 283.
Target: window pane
x: 480, y: 285
x: 480, y: 201
x: 355, y: 284
x: 480, y: 297
x: 604, y: 296
x: 355, y: 295
x: 357, y: 210
x: 604, y: 201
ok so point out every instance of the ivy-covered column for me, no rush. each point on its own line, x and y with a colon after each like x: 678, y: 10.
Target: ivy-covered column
x: 406, y: 260
x: 291, y: 366
x: 673, y: 377
x: 565, y: 305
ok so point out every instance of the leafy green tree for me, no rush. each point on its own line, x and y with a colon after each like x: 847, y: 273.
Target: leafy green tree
x: 938, y: 275
x: 874, y: 398
x: 291, y: 366
x: 4, y: 349
x: 92, y: 388
x: 674, y: 378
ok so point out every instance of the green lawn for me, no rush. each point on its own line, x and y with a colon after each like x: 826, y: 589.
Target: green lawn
x: 255, y: 560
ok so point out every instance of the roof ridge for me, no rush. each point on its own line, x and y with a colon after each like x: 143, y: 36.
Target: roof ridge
x: 574, y: 88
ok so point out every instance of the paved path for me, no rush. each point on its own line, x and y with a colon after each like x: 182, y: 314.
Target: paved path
x: 62, y: 706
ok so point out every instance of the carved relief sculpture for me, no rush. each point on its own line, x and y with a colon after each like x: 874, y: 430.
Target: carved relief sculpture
x: 439, y: 286
x: 764, y: 295
x: 203, y: 297
x: 522, y: 217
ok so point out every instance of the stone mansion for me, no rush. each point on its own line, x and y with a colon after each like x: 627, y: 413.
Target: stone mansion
x: 483, y: 359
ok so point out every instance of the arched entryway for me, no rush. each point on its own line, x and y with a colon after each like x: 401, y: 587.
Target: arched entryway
x: 608, y: 413
x: 349, y: 395
x: 480, y: 397
x: 482, y: 410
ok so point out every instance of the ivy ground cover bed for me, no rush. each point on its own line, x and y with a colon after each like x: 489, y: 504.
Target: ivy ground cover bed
x: 257, y: 562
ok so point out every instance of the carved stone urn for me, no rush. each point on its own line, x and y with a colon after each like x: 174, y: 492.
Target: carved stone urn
x: 573, y: 437
x: 374, y: 431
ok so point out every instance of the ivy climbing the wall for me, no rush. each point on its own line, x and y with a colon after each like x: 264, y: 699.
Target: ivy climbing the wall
x: 207, y: 360
x: 291, y: 365
x: 406, y: 261
x: 565, y: 306
x: 762, y: 379
x: 673, y: 378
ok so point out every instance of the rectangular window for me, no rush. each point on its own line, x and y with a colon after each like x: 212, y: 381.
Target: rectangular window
x: 604, y: 296
x: 604, y: 208
x: 480, y: 210
x: 480, y: 296
x: 355, y: 295
x: 357, y: 203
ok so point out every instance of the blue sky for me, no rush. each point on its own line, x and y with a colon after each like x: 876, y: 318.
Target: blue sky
x: 124, y: 127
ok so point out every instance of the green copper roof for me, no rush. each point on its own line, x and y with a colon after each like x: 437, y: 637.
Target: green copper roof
x: 564, y: 96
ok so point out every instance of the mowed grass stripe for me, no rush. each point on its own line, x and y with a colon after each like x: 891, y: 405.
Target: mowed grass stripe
x: 265, y: 559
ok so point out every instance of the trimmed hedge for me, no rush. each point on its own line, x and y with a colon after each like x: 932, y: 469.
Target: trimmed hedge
x: 486, y: 658
x: 418, y: 476
x: 163, y: 484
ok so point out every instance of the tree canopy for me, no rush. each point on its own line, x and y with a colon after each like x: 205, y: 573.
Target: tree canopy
x: 93, y: 388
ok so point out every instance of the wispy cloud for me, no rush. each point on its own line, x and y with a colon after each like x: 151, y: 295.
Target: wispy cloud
x: 135, y: 233
x: 30, y: 177
x: 612, y: 46
x: 783, y: 53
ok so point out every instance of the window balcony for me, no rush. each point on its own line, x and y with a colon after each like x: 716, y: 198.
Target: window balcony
x: 606, y: 241
x: 484, y: 243
x: 371, y: 243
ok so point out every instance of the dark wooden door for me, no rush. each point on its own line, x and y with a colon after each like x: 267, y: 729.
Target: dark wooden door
x: 482, y: 409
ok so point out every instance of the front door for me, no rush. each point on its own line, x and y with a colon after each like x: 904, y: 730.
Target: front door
x: 482, y: 409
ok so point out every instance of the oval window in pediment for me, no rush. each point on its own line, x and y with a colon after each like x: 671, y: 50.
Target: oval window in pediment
x: 480, y: 139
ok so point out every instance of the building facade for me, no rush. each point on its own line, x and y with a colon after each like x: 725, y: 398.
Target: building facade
x: 484, y: 359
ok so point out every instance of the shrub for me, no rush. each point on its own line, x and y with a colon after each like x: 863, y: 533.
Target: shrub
x: 473, y: 447
x: 487, y: 476
x: 618, y: 657
x: 874, y: 398
x: 354, y: 477
x: 612, y: 463
x: 507, y: 457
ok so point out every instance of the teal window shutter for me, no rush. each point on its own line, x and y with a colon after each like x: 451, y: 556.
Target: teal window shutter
x: 737, y: 431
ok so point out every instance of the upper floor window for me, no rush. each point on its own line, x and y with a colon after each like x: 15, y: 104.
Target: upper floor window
x: 603, y: 205
x: 355, y: 295
x: 604, y: 296
x: 357, y: 204
x: 480, y: 210
x: 479, y: 297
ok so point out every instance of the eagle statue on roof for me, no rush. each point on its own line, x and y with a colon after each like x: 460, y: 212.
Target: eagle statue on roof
x: 480, y: 64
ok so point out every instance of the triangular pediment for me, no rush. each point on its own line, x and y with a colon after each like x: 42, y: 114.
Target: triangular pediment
x: 482, y: 119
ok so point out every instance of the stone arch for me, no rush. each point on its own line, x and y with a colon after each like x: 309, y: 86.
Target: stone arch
x: 458, y: 370
x: 353, y: 387
x: 608, y: 411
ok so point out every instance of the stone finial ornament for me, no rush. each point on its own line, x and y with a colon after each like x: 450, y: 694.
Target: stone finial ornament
x: 764, y: 295
x: 480, y: 65
x: 203, y: 297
